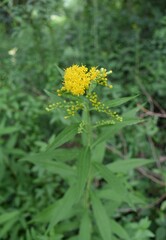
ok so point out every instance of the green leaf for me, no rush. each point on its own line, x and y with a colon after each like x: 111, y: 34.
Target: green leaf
x: 101, y: 217
x: 12, y: 141
x: 136, y: 199
x: 163, y: 206
x: 60, y: 154
x: 119, y: 230
x: 120, y: 101
x: 47, y: 213
x: 130, y: 114
x: 8, y: 226
x: 53, y: 96
x: 66, y: 135
x: 43, y: 159
x: 110, y: 131
x: 126, y: 165
x: 118, y: 197
x: 4, y: 217
x: 99, y: 152
x: 85, y: 228
x: 8, y: 130
x: 108, y: 175
x: 42, y: 156
x: 66, y: 226
x: 51, y: 166
x: 64, y: 207
x: 111, y: 194
x: 116, y: 182
x: 83, y: 170
x: 63, y: 154
x: 59, y: 210
x: 60, y: 70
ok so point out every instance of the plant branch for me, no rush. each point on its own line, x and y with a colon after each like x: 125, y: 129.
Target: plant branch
x: 151, y: 177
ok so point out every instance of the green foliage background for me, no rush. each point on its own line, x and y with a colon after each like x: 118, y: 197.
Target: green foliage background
x: 128, y: 37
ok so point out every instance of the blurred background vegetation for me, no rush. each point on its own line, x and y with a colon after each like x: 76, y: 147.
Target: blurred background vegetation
x: 126, y: 36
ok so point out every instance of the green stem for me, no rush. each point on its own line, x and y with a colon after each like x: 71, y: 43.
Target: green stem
x: 87, y: 190
x: 87, y: 142
x: 89, y: 129
x: 87, y: 135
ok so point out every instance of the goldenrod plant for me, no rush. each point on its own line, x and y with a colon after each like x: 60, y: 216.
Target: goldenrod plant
x: 95, y: 190
x: 128, y: 37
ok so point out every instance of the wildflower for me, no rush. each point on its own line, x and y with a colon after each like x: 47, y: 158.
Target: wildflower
x: 77, y: 79
x: 80, y: 81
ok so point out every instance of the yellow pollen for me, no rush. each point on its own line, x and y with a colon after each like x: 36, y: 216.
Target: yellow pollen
x: 77, y: 79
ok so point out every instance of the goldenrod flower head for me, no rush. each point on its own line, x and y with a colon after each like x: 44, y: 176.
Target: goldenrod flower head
x: 78, y: 82
x: 77, y: 79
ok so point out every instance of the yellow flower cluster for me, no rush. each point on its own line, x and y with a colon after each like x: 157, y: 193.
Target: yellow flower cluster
x: 100, y: 107
x: 77, y: 79
x: 104, y: 122
x: 102, y: 78
x: 54, y: 106
x: 73, y: 107
x: 78, y: 82
x: 70, y: 107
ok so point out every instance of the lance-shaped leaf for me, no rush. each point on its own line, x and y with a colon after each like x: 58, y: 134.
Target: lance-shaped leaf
x: 9, y: 226
x: 54, y: 97
x: 54, y: 167
x: 4, y: 217
x: 110, y: 194
x: 83, y: 170
x: 119, y: 230
x: 59, y: 70
x: 126, y: 165
x: 120, y: 101
x: 59, y: 210
x: 116, y: 182
x: 99, y: 152
x: 85, y: 227
x: 110, y: 131
x: 101, y: 218
x: 116, y: 196
x: 66, y: 135
x: 66, y: 154
x: 8, y: 130
x: 60, y: 154
x: 64, y: 207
